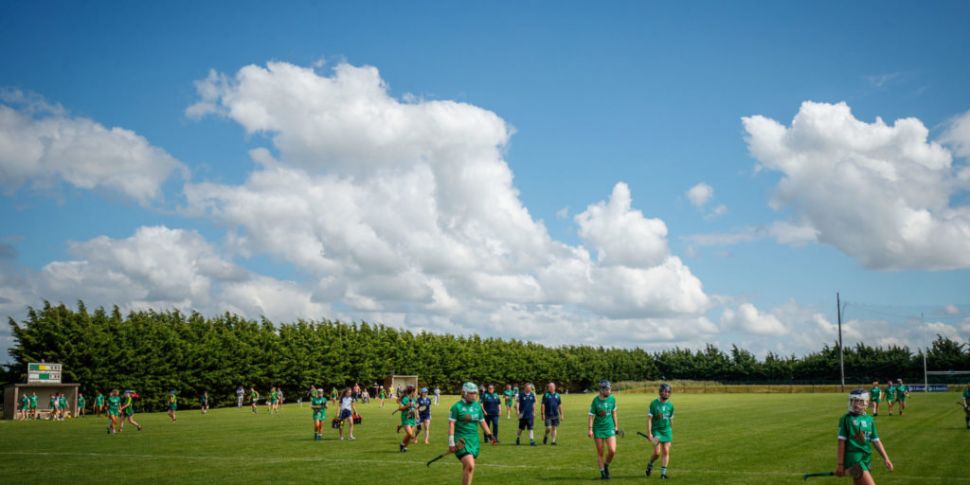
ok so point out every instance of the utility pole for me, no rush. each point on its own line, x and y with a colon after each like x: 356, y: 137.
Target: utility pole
x: 838, y: 310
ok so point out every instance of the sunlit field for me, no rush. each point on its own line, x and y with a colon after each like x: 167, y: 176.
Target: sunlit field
x: 726, y: 438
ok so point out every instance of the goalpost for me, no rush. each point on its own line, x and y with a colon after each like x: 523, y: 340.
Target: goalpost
x: 395, y: 382
x: 944, y: 386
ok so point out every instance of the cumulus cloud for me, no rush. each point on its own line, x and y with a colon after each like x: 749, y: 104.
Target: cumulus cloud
x: 749, y: 319
x: 406, y: 211
x: 42, y: 145
x: 957, y: 135
x: 880, y: 193
x: 699, y: 194
x: 161, y: 268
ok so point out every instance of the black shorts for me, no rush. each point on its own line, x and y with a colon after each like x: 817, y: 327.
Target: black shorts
x: 345, y: 413
x: 552, y: 421
x: 527, y: 423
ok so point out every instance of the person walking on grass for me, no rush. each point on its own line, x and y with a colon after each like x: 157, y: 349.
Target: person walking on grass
x: 80, y: 404
x: 173, y: 405
x: 253, y: 398
x: 318, y: 405
x: 407, y: 406
x: 381, y: 395
x: 660, y: 420
x: 551, y: 413
x: 464, y: 419
x: 891, y: 395
x: 966, y: 405
x: 98, y: 404
x: 424, y: 415
x: 24, y: 407
x: 492, y: 405
x: 34, y: 414
x: 509, y: 395
x: 902, y: 392
x: 204, y: 402
x: 857, y: 437
x: 114, y: 411
x: 128, y: 411
x: 240, y: 395
x: 525, y: 408
x: 347, y: 412
x: 603, y: 426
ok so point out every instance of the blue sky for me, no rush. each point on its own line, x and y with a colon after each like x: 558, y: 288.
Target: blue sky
x: 644, y: 93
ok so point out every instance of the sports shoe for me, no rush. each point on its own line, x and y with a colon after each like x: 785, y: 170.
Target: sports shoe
x: 352, y: 438
x: 663, y: 477
x: 603, y: 475
x: 553, y: 443
x: 545, y: 440
x: 606, y: 471
x: 649, y: 469
x: 532, y: 442
x: 517, y: 439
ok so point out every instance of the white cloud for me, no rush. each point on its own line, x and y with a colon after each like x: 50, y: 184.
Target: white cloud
x: 957, y: 135
x: 406, y: 211
x: 749, y: 319
x: 880, y: 193
x: 42, y: 145
x: 164, y: 268
x: 699, y: 194
x: 951, y: 309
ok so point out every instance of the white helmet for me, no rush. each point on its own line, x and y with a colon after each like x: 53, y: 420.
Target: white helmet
x: 858, y: 395
x: 468, y: 388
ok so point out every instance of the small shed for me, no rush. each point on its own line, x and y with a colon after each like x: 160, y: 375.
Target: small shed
x: 12, y: 393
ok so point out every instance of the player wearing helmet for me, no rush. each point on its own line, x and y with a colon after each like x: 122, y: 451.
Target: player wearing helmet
x: 464, y: 418
x: 424, y: 415
x: 660, y: 429
x: 602, y: 427
x: 857, y: 437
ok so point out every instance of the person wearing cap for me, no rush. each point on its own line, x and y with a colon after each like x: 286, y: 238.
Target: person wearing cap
x: 492, y: 405
x: 464, y: 419
x: 424, y: 415
x: 902, y: 392
x: 857, y: 437
x: 660, y: 429
x: 602, y: 427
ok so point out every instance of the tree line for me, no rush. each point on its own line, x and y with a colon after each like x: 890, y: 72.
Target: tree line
x: 154, y: 351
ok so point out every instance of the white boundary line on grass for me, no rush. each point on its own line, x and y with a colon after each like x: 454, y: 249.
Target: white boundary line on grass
x: 419, y: 462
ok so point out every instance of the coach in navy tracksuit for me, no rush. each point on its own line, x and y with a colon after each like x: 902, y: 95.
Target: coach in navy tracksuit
x: 492, y: 404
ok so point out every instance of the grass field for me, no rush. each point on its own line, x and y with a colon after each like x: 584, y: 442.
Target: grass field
x: 729, y: 438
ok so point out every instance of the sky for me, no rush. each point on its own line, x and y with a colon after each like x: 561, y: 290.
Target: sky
x: 651, y: 174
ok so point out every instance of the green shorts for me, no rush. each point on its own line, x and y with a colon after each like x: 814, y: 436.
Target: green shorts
x: 408, y: 422
x: 129, y: 412
x: 665, y: 435
x: 469, y: 449
x: 604, y: 433
x: 173, y: 407
x: 901, y: 399
x: 864, y: 460
x: 875, y: 400
x: 319, y: 416
x: 113, y: 412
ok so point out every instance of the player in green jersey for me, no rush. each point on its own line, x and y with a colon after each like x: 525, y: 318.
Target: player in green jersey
x: 273, y: 401
x: 875, y: 394
x: 891, y: 396
x: 407, y: 405
x: 509, y: 395
x: 660, y: 429
x: 464, y: 419
x: 172, y: 404
x: 24, y: 407
x: 318, y: 404
x: 602, y: 427
x: 857, y: 437
x: 966, y: 405
x: 62, y: 405
x: 253, y: 398
x: 80, y: 404
x: 381, y: 395
x: 53, y: 410
x: 128, y: 410
x: 98, y: 404
x: 114, y: 411
x: 902, y: 392
x: 33, y: 406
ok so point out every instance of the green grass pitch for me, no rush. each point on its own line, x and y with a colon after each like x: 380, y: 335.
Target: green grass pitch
x: 728, y: 438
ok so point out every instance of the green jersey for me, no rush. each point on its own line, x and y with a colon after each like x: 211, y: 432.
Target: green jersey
x: 602, y: 412
x: 966, y: 395
x: 901, y: 391
x: 114, y: 404
x: 875, y: 393
x: 172, y: 402
x: 33, y: 401
x: 99, y: 400
x: 509, y: 396
x: 407, y: 415
x: 660, y: 414
x: 891, y: 392
x: 80, y: 402
x: 24, y: 402
x: 858, y: 431
x: 273, y: 397
x: 466, y: 416
x: 129, y: 406
x: 253, y: 395
x: 319, y: 411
